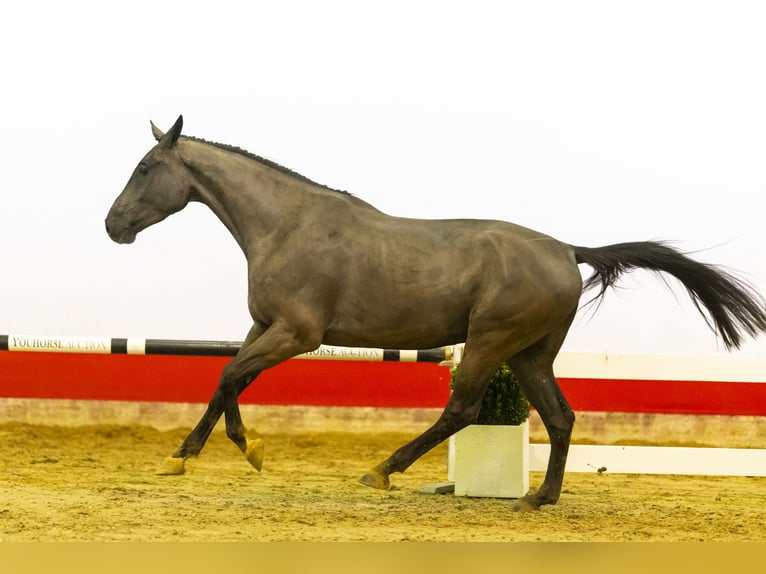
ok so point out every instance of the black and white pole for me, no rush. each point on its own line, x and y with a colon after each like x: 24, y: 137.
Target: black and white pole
x: 136, y: 346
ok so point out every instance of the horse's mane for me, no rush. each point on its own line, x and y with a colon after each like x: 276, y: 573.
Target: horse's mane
x: 266, y: 162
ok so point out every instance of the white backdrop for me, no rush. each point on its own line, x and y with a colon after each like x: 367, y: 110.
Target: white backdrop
x: 595, y: 122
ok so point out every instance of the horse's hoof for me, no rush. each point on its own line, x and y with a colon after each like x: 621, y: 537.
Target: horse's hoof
x: 254, y: 453
x: 523, y: 506
x: 376, y: 478
x: 173, y: 465
x: 526, y: 504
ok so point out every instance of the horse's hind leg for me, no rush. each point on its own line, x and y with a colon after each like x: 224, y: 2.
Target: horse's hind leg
x: 533, y: 368
x: 476, y: 370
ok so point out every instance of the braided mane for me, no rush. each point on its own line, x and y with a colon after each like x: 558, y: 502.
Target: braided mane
x: 266, y: 162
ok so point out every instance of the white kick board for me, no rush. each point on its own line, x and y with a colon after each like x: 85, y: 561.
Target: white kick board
x: 656, y: 460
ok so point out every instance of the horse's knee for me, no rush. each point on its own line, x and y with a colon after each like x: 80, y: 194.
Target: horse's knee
x: 230, y: 375
x: 228, y: 389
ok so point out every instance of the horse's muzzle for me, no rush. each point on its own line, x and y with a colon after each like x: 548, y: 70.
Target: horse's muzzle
x: 119, y: 234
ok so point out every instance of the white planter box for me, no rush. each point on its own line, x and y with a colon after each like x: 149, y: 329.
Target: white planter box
x: 490, y: 460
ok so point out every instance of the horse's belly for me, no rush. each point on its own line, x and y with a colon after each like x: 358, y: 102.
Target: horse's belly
x: 388, y: 340
x: 398, y: 321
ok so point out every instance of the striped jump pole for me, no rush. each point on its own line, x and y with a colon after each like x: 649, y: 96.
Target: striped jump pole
x: 136, y: 346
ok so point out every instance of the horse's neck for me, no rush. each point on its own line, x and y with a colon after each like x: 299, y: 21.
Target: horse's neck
x: 242, y: 192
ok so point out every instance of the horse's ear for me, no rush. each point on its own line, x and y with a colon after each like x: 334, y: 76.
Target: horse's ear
x: 169, y: 138
x: 156, y: 132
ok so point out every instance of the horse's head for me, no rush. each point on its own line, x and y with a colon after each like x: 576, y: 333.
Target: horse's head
x: 159, y: 186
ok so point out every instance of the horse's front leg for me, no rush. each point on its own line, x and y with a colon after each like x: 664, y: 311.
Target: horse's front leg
x: 262, y: 349
x: 195, y: 441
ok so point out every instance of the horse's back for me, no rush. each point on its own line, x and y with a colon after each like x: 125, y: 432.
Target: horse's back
x: 478, y: 249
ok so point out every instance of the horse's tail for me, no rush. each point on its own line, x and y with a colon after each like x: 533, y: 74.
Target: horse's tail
x: 733, y: 306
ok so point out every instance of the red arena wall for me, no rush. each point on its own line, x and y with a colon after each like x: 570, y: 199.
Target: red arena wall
x: 167, y: 378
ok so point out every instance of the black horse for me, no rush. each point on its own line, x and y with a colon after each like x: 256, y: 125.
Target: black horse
x: 326, y: 267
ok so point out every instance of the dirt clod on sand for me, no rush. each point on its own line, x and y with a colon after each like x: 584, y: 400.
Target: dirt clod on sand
x: 99, y: 482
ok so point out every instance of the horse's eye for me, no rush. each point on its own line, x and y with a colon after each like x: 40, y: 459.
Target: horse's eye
x: 143, y: 169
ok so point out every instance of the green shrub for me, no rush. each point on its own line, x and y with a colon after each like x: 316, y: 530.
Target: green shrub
x: 504, y: 402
